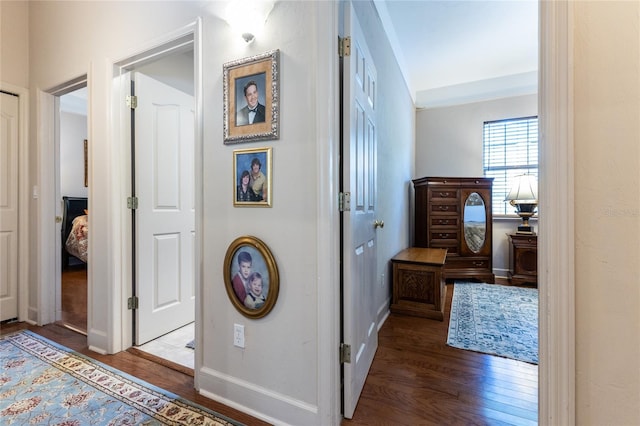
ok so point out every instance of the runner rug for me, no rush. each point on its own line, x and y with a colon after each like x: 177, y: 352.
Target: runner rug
x: 495, y: 319
x: 42, y: 382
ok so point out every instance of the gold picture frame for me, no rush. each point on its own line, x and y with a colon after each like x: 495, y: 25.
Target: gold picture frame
x: 246, y: 81
x: 251, y: 277
x: 252, y: 176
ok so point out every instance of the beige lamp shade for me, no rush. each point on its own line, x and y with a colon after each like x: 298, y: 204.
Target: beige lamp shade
x: 524, y: 190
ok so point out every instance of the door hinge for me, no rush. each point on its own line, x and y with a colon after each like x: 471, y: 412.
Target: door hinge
x: 345, y: 353
x: 132, y: 303
x: 132, y: 101
x: 344, y: 201
x: 132, y: 203
x: 344, y: 46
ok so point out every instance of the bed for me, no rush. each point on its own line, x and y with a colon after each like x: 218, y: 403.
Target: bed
x: 75, y: 231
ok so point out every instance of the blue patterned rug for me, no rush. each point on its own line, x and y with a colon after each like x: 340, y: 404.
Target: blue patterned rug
x: 42, y: 382
x: 495, y: 319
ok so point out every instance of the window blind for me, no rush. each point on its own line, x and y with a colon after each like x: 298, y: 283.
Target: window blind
x: 510, y: 148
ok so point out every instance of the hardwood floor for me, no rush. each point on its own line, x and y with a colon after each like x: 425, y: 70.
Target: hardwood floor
x: 415, y: 378
x: 74, y: 297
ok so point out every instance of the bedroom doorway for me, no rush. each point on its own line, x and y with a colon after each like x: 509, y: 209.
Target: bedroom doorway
x: 72, y: 193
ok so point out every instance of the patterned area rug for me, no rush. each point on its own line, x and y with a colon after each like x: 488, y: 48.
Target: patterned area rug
x: 495, y: 319
x: 42, y: 382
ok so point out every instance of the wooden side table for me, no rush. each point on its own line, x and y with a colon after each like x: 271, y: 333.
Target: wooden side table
x: 523, y: 259
x: 418, y: 284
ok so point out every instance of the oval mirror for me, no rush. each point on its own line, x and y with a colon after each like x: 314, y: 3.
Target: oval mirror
x: 475, y: 222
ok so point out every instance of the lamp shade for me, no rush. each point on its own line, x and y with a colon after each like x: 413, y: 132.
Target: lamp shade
x: 524, y: 190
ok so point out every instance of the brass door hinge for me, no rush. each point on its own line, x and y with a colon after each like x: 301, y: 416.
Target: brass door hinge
x: 344, y: 47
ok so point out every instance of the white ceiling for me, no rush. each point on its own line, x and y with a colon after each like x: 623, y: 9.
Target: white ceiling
x: 453, y: 51
x: 472, y: 49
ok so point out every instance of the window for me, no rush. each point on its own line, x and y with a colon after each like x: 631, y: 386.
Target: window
x: 510, y: 149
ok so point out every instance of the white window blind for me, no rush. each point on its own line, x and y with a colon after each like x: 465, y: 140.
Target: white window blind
x: 510, y: 149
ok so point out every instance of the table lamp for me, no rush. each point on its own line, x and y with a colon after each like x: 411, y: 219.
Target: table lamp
x: 524, y: 197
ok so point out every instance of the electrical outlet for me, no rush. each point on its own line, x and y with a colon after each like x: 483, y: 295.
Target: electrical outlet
x: 238, y: 335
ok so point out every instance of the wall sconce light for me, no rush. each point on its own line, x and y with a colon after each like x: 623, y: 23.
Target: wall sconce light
x: 524, y: 197
x: 247, y: 17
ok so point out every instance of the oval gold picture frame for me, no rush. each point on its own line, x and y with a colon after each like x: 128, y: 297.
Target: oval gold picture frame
x: 251, y: 277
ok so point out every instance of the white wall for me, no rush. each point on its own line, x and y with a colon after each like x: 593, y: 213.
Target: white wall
x: 73, y: 132
x: 449, y: 143
x: 607, y: 210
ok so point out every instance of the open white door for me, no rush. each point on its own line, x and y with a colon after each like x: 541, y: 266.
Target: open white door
x: 359, y: 231
x: 9, y: 122
x: 165, y: 217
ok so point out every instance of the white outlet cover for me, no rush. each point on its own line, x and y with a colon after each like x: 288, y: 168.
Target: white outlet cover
x: 238, y: 335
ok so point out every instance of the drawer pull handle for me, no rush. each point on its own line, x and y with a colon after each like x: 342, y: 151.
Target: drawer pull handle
x: 444, y: 194
x: 478, y: 263
x: 443, y: 208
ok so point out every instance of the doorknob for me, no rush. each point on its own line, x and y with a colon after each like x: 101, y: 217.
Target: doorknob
x: 58, y: 219
x: 378, y: 224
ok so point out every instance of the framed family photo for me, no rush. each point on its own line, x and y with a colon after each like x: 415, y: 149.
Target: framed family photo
x: 252, y: 171
x: 251, y: 98
x: 251, y: 277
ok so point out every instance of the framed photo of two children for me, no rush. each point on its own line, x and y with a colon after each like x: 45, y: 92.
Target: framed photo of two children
x: 251, y: 277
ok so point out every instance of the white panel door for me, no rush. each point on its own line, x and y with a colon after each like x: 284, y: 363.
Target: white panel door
x: 165, y: 218
x: 359, y: 237
x: 8, y: 206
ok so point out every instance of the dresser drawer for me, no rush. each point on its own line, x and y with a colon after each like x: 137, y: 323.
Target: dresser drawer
x: 468, y: 263
x: 444, y: 209
x: 442, y: 193
x: 444, y: 234
x: 444, y: 222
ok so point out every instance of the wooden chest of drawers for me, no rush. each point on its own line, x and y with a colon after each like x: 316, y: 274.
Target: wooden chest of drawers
x: 455, y: 214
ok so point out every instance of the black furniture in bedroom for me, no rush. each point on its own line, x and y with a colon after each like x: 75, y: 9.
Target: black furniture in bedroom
x: 72, y: 207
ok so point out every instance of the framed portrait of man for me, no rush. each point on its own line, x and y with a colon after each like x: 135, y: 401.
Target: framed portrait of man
x: 251, y: 98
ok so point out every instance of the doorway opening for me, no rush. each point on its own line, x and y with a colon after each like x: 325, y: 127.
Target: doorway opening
x: 72, y: 189
x: 160, y: 227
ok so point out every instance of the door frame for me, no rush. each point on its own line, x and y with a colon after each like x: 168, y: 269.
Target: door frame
x: 189, y: 35
x: 23, y: 198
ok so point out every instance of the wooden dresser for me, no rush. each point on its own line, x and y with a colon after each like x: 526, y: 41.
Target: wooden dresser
x: 418, y: 285
x: 455, y: 213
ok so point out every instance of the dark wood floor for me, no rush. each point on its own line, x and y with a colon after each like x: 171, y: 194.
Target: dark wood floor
x: 415, y: 378
x: 74, y: 297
